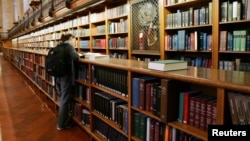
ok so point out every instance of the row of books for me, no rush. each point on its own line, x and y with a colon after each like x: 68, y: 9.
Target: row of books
x: 82, y: 92
x: 45, y: 86
x: 81, y: 32
x: 239, y: 108
x: 173, y: 134
x: 118, y: 11
x: 197, y: 109
x: 97, y: 16
x: 153, y: 95
x: 198, y: 16
x: 147, y: 129
x: 236, y: 40
x: 106, y: 131
x: 80, y: 113
x: 113, y: 80
x: 185, y: 40
x: 84, y: 44
x: 118, y: 42
x: 117, y: 27
x: 83, y: 72
x: 99, y: 43
x: 118, y: 55
x: 234, y: 65
x: 112, y: 108
x: 235, y: 10
x: 99, y: 30
x: 197, y: 61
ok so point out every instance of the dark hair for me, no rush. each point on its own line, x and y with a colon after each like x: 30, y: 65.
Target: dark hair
x: 66, y: 37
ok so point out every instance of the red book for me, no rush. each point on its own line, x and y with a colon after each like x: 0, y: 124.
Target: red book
x: 197, y: 111
x: 103, y: 43
x: 203, y: 112
x: 157, y: 131
x: 192, y: 41
x: 152, y: 129
x: 214, y: 113
x: 209, y: 113
x: 192, y: 109
x: 186, y: 104
x: 149, y: 93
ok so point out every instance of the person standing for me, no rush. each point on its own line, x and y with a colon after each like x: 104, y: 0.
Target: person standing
x: 64, y: 83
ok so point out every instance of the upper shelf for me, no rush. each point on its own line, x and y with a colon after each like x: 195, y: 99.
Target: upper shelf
x: 233, y: 80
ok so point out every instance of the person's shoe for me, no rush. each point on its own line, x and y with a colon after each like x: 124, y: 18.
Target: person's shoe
x: 67, y: 127
x: 59, y: 129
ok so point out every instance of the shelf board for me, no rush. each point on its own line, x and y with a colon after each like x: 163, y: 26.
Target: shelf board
x: 83, y: 102
x: 118, y: 33
x: 191, y: 51
x: 190, y: 130
x: 146, y: 52
x: 125, y: 49
x: 118, y: 17
x: 111, y: 92
x: 110, y: 123
x: 237, y: 52
x: 186, y: 4
x: 149, y: 114
x: 234, y: 22
x: 194, y: 27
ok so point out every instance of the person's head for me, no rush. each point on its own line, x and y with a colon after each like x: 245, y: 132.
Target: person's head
x: 68, y: 37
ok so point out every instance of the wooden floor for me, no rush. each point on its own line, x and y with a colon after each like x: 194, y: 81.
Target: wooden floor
x: 24, y: 114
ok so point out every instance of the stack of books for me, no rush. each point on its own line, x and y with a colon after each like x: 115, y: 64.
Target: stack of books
x: 167, y: 65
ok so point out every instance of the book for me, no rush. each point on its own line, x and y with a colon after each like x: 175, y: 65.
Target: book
x: 232, y: 108
x: 169, y: 98
x: 97, y: 57
x: 167, y: 65
x: 186, y: 104
x: 93, y: 56
x: 135, y: 91
x: 142, y: 92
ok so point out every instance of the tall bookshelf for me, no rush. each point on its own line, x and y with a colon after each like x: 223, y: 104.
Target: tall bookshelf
x: 97, y: 86
x: 101, y: 34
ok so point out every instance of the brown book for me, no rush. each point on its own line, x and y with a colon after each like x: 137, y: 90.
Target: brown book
x: 210, y: 112
x: 239, y: 108
x: 149, y: 93
x: 214, y: 113
x: 167, y: 133
x: 169, y: 99
x: 232, y: 108
x: 197, y: 115
x: 203, y: 112
x: 152, y: 129
x: 192, y: 109
x: 157, y: 131
x: 142, y: 96
x: 246, y: 108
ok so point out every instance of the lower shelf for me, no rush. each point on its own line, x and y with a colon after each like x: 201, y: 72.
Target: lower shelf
x: 190, y: 130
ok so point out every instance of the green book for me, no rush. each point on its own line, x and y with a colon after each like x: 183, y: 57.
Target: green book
x: 243, y: 38
x: 167, y: 65
x: 236, y: 40
x: 181, y: 101
x: 137, y: 124
x: 142, y: 127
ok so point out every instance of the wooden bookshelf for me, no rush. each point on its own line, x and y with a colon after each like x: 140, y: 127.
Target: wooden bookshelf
x: 204, y: 79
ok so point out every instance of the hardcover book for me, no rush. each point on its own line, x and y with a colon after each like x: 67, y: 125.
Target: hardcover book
x: 167, y: 65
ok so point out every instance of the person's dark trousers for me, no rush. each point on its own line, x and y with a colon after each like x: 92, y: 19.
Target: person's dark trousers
x: 63, y: 87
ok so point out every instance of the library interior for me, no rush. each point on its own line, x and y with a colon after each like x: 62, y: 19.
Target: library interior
x: 148, y: 70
